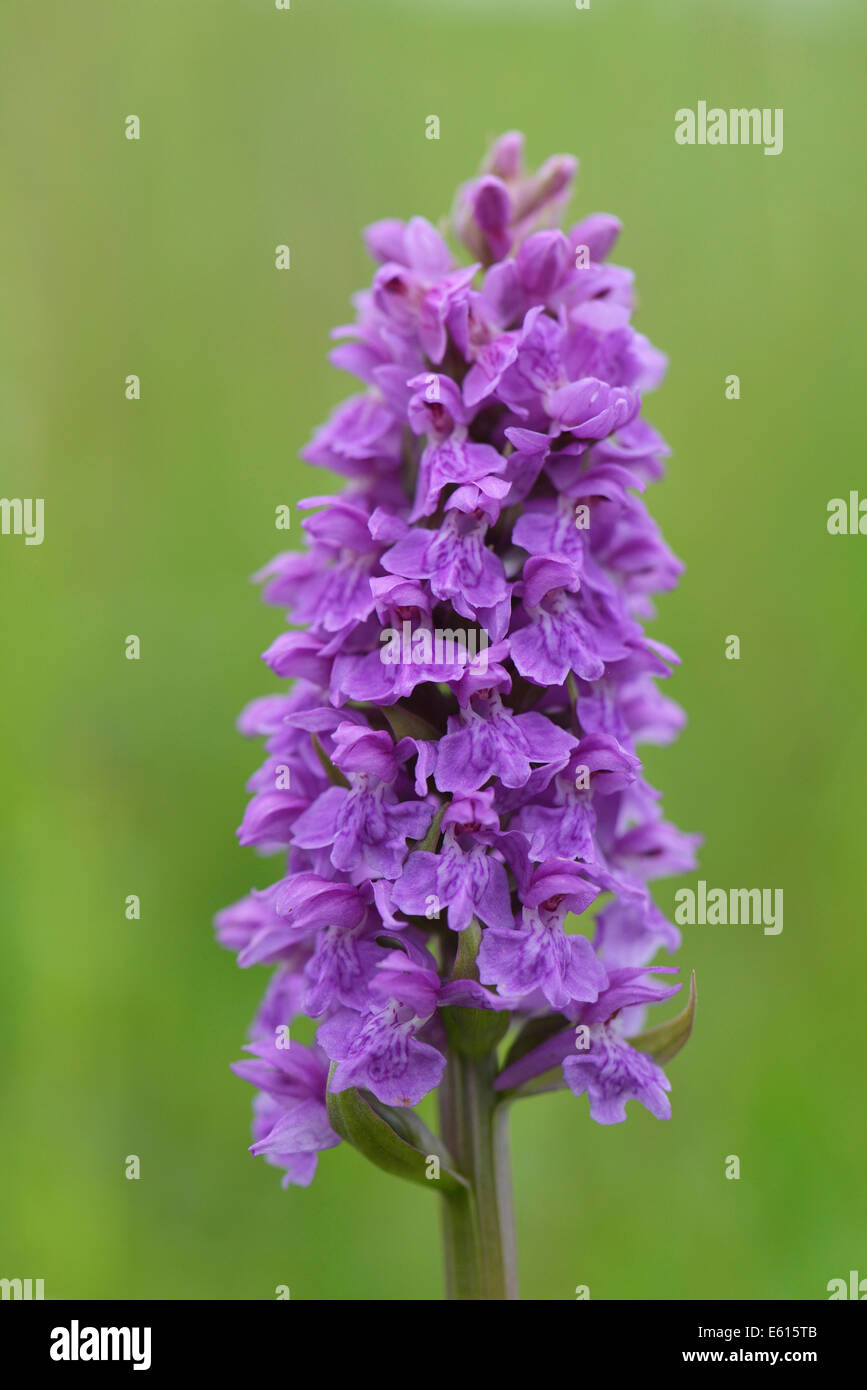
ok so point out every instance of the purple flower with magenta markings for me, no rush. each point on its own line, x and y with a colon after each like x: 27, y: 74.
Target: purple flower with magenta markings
x: 452, y: 780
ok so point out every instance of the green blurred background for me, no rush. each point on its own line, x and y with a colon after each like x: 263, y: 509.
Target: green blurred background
x: 262, y: 127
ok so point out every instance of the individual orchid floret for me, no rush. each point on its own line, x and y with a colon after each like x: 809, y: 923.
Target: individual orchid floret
x: 535, y: 953
x: 597, y: 1059
x: 465, y: 877
x: 378, y: 1049
x: 291, y: 1124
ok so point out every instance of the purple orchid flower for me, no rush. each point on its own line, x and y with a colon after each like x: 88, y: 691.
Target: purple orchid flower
x: 291, y: 1125
x: 378, y: 1049
x: 365, y: 824
x: 535, y: 953
x: 465, y: 876
x: 595, y: 1056
x: 454, y: 777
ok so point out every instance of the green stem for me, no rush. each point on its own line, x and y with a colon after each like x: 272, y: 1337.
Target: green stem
x: 478, y: 1097
x: 460, y: 1245
x: 459, y: 1248
x: 477, y: 1225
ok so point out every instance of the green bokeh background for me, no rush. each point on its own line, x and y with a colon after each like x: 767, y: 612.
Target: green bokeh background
x: 157, y: 257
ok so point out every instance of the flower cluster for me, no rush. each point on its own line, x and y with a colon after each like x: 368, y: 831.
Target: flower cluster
x: 441, y: 816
